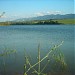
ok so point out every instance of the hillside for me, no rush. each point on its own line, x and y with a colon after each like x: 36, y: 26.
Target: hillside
x: 43, y: 20
x: 66, y: 21
x: 47, y: 17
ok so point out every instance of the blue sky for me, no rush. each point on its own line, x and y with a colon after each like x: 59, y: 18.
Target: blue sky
x: 28, y: 8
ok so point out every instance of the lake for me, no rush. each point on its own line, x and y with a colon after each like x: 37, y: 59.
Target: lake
x: 27, y: 38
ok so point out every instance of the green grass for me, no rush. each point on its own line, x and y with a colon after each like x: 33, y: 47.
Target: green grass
x: 66, y: 21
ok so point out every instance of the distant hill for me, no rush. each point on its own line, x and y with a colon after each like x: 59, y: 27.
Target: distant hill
x: 43, y: 20
x: 47, y: 17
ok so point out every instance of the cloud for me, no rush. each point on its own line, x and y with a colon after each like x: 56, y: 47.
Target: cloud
x: 3, y: 16
x: 39, y: 14
x: 58, y: 12
x: 54, y: 12
x: 48, y: 13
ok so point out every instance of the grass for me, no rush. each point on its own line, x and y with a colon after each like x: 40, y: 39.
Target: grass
x: 4, y: 54
x: 40, y: 71
x: 66, y: 21
x: 29, y: 67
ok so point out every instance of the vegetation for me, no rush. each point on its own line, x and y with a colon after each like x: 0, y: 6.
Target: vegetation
x: 4, y: 54
x: 54, y: 55
x: 40, y: 22
x: 58, y: 58
x: 34, y: 22
x: 66, y: 21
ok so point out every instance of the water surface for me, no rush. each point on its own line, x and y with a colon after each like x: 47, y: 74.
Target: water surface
x: 28, y: 37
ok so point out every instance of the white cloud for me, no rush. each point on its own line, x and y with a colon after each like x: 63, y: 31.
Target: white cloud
x: 39, y: 14
x: 3, y: 16
x: 58, y: 12
x: 54, y: 12
x: 48, y: 13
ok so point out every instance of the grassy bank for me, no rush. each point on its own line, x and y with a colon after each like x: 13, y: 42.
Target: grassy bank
x: 66, y: 21
x: 40, y: 22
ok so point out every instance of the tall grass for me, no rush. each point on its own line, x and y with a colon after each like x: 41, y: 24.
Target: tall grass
x: 4, y: 54
x: 58, y: 58
x: 56, y: 55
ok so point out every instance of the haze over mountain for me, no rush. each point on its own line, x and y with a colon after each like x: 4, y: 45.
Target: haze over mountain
x: 47, y: 17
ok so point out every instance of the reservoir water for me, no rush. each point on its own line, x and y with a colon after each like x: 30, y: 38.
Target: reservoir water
x: 27, y: 38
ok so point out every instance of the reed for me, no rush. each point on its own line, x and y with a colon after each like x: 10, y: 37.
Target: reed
x: 4, y: 54
x: 28, y: 66
x: 58, y: 58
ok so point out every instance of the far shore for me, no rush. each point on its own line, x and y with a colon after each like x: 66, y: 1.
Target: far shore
x: 40, y: 22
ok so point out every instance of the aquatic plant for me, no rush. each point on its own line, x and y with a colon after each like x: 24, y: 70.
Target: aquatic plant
x: 4, y: 54
x: 7, y: 52
x: 58, y: 58
x: 54, y: 55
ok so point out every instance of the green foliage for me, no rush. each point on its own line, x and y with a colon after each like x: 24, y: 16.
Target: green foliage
x: 40, y: 22
x: 34, y: 22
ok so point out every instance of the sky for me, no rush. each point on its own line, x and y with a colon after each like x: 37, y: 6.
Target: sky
x: 30, y: 8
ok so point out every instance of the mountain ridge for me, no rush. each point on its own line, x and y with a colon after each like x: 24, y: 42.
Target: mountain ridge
x: 47, y: 17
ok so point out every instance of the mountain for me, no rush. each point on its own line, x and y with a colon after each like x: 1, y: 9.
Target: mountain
x: 47, y: 17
